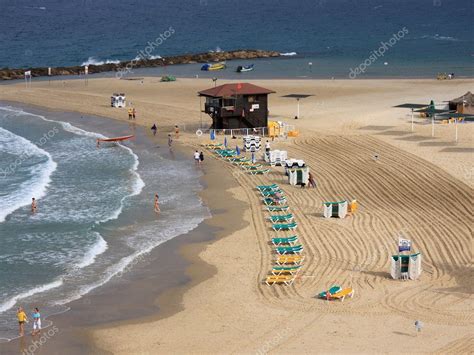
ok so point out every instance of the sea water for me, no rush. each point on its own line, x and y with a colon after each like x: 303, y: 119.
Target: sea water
x: 94, y: 216
x: 333, y: 35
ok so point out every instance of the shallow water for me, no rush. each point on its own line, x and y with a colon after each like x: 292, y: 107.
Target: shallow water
x: 94, y: 217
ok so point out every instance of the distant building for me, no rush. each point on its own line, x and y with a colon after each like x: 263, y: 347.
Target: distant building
x: 463, y: 104
x: 234, y: 106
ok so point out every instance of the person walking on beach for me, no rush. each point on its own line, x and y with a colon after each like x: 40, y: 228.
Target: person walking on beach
x: 157, y: 204
x: 176, y: 131
x: 22, y: 319
x: 267, y: 146
x: 170, y: 140
x: 134, y: 112
x: 36, y: 322
x: 154, y: 129
x: 33, y: 205
x: 201, y: 157
x: 130, y: 114
x: 197, y: 158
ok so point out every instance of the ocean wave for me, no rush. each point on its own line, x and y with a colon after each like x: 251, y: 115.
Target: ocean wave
x: 5, y: 306
x: 126, y: 263
x: 97, y: 249
x: 150, y: 57
x: 437, y: 37
x: 288, y: 54
x: 138, y: 183
x: 95, y: 61
x: 41, y: 173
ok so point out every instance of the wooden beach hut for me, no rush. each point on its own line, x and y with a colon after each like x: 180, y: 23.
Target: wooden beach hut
x: 463, y: 104
x: 233, y: 106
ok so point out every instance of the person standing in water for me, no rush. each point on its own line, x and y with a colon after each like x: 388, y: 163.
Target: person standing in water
x: 157, y: 204
x: 130, y: 113
x: 36, y: 321
x: 134, y: 112
x: 33, y: 205
x: 154, y: 129
x: 176, y: 131
x: 22, y: 319
x: 170, y: 140
x: 197, y: 158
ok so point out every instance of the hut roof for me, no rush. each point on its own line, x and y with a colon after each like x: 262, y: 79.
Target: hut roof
x: 228, y: 90
x: 468, y: 97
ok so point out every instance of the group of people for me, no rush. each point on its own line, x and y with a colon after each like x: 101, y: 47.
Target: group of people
x: 132, y: 113
x: 198, y: 157
x: 23, y: 318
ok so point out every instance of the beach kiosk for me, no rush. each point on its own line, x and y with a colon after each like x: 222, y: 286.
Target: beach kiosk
x: 335, y: 209
x: 405, y: 266
x: 118, y: 100
x: 234, y: 106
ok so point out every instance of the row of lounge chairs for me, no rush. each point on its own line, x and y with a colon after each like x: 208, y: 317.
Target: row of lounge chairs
x: 289, y: 259
x: 243, y: 162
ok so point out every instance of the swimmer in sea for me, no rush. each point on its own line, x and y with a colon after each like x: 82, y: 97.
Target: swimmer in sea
x: 33, y: 205
x: 157, y: 204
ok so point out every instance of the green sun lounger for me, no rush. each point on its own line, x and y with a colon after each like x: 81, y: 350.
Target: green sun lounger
x: 334, y: 289
x: 278, y: 270
x: 271, y: 193
x: 296, y: 249
x: 252, y: 167
x: 281, y: 218
x: 274, y: 202
x: 259, y: 172
x: 289, y: 240
x: 271, y: 208
x: 268, y: 187
x: 284, y: 226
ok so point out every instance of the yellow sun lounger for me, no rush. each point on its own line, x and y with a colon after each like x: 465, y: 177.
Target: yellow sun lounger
x: 290, y: 259
x: 343, y: 293
x: 280, y: 279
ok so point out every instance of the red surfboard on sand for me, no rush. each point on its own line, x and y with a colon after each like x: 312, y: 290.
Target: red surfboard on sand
x: 115, y: 139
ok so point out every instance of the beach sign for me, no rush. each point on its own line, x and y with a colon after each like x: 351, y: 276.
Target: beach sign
x: 49, y: 71
x: 86, y: 69
x: 404, y: 244
x: 28, y: 74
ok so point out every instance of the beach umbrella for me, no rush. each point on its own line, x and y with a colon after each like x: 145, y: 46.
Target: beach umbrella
x: 213, y: 135
x: 225, y: 142
x: 237, y: 149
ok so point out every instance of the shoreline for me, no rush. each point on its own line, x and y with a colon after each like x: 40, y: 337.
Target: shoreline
x: 172, y: 258
x: 333, y: 246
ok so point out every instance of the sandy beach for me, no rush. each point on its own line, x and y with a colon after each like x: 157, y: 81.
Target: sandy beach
x: 420, y: 186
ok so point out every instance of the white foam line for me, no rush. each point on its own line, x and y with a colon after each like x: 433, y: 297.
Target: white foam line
x: 12, y: 301
x: 38, y: 187
x: 98, y: 248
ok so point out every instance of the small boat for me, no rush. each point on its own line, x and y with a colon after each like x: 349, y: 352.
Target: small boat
x: 216, y: 66
x: 168, y: 78
x: 244, y: 68
x: 113, y: 140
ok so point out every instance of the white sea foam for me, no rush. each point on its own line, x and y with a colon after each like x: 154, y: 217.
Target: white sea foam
x: 98, y: 248
x: 41, y: 173
x: 288, y: 54
x: 138, y: 183
x: 5, y: 306
x: 437, y: 37
x: 150, y: 57
x: 127, y: 263
x: 96, y: 61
